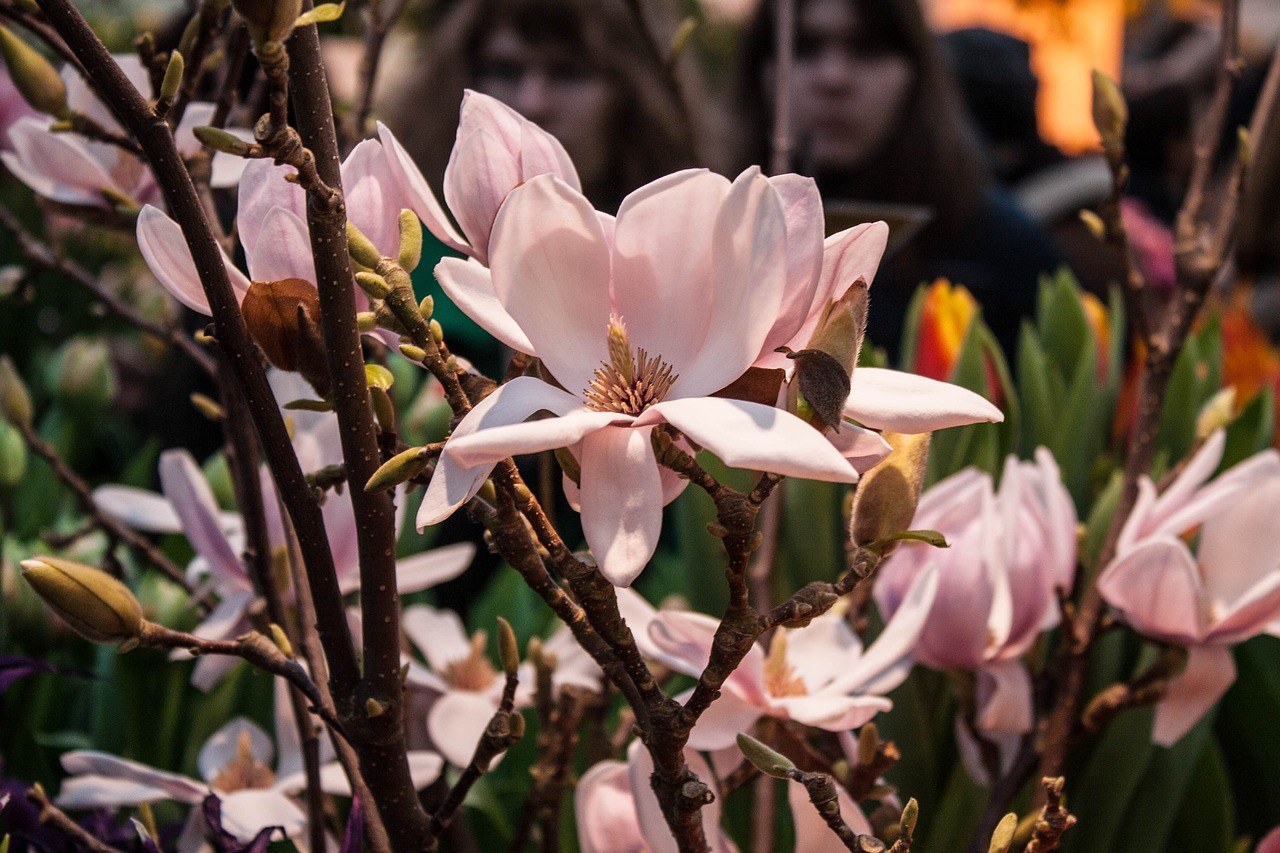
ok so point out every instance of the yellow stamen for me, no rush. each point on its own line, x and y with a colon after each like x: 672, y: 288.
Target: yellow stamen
x: 780, y: 678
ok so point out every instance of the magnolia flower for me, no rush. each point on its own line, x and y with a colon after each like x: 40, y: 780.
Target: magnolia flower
x: 1223, y: 593
x: 818, y: 675
x: 255, y: 781
x: 72, y: 169
x: 640, y: 320
x: 12, y: 108
x: 1011, y: 551
x: 467, y: 686
x: 496, y: 150
x: 271, y: 220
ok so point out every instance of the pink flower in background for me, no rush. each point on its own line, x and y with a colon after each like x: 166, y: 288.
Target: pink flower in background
x: 639, y: 319
x: 72, y: 169
x: 1223, y: 593
x: 819, y: 675
x: 1010, y: 552
x: 12, y: 107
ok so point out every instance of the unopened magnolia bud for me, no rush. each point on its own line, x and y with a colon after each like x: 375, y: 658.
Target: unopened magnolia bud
x: 823, y: 382
x: 281, y: 639
x: 437, y: 331
x: 374, y: 708
x: 1110, y: 116
x: 413, y: 352
x: 361, y: 248
x: 268, y: 20
x: 1002, y: 837
x: 15, y: 401
x: 840, y: 332
x: 885, y: 502
x: 13, y: 456
x: 34, y: 76
x: 366, y: 321
x: 283, y: 319
x: 96, y: 606
x: 1094, y: 223
x: 218, y: 139
x: 427, y: 307
x: 172, y: 76
x: 508, y: 649
x: 766, y: 760
x: 398, y: 469
x: 868, y: 744
x: 515, y: 725
x: 410, y: 241
x: 373, y: 284
x: 207, y: 406
x: 378, y: 376
x: 910, y: 814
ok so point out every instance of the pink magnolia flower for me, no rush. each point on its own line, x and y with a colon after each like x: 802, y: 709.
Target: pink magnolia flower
x: 12, y: 107
x: 496, y: 150
x: 640, y: 320
x: 1011, y: 550
x: 1223, y: 593
x: 255, y: 782
x: 72, y: 169
x: 818, y: 675
x: 466, y: 684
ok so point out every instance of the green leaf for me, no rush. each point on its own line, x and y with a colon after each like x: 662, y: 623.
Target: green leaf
x: 911, y: 330
x: 1100, y: 794
x: 1039, y: 404
x: 1204, y: 822
x: 1064, y: 329
x: 1253, y: 430
x: 322, y: 14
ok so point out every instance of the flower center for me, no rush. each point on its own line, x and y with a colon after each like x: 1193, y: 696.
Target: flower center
x: 244, y: 772
x: 779, y: 677
x: 631, y: 381
x: 473, y: 672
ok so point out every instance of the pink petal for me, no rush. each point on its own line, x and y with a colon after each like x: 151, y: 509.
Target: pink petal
x: 106, y: 767
x: 437, y: 634
x: 832, y: 713
x: 91, y: 791
x: 956, y: 633
x: 813, y: 835
x: 223, y: 746
x: 373, y: 196
x: 1060, y: 518
x: 418, y: 194
x: 282, y: 249
x: 470, y: 286
x: 477, y: 180
x: 551, y: 271
x: 802, y: 208
x: 429, y: 568
x: 1004, y: 698
x: 749, y: 274
x: 1250, y: 614
x: 864, y: 448
x: 621, y: 525
x: 487, y: 446
x: 879, y: 669
x: 137, y: 508
x: 1156, y: 588
x: 60, y: 163
x: 263, y: 187
x: 1270, y: 842
x: 661, y: 255
x: 850, y: 255
x: 1210, y: 671
x: 1240, y: 546
x: 756, y: 437
x: 1220, y: 495
x: 682, y: 641
x: 165, y: 250
x: 456, y: 723
x: 605, y: 810
x: 822, y: 650
x: 722, y: 722
x: 211, y: 669
x: 186, y: 488
x: 247, y: 812
x: 903, y: 402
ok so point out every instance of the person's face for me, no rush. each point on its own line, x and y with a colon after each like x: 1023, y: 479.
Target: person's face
x: 554, y: 88
x: 848, y: 86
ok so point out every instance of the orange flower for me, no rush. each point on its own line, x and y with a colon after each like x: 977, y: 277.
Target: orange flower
x: 944, y: 321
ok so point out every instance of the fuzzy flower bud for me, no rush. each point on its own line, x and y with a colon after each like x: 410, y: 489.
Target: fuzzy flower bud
x: 361, y: 248
x: 410, y: 240
x: 885, y: 502
x: 269, y: 20
x: 97, y: 606
x: 15, y: 400
x: 35, y: 77
x: 766, y: 760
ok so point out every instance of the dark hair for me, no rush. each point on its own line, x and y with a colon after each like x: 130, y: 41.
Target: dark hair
x: 931, y: 157
x: 650, y: 134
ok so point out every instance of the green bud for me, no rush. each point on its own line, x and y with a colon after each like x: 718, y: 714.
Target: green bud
x: 840, y: 332
x: 218, y: 139
x: 410, y: 241
x: 361, y: 248
x: 15, y: 400
x: 1110, y: 116
x: 281, y: 639
x: 268, y: 20
x: 374, y: 708
x: 34, y: 76
x: 569, y: 464
x: 13, y: 456
x: 515, y: 725
x: 366, y: 321
x: 207, y: 406
x: 437, y: 331
x: 427, y: 307
x: 1002, y: 838
x: 96, y: 606
x: 910, y: 814
x: 413, y: 352
x: 1094, y: 223
x: 766, y: 760
x: 321, y: 14
x: 401, y: 468
x: 868, y: 744
x: 373, y: 284
x: 172, y: 76
x: 508, y: 648
x: 378, y: 376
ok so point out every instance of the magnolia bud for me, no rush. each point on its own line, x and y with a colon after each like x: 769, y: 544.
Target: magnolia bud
x: 398, y: 469
x: 823, y: 382
x: 885, y: 502
x: 97, y: 606
x: 15, y: 401
x: 84, y: 374
x: 410, y: 241
x: 283, y: 319
x: 840, y: 332
x: 413, y: 352
x: 374, y: 285
x: 34, y: 76
x: 910, y: 814
x: 427, y: 307
x: 766, y: 760
x: 1110, y: 116
x: 221, y: 140
x: 1002, y: 837
x: 172, y: 76
x: 508, y: 648
x: 13, y: 456
x: 361, y: 248
x: 268, y: 20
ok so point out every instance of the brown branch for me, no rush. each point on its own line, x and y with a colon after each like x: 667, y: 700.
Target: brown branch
x: 53, y: 816
x: 824, y: 795
x: 1054, y: 819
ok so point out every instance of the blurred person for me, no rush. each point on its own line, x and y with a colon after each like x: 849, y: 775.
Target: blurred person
x: 877, y: 117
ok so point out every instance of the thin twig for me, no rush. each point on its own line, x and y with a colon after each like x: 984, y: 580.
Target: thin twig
x: 53, y: 816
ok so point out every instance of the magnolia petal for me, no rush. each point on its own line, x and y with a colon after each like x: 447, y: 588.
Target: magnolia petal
x: 820, y: 651
x: 724, y: 719
x: 662, y: 257
x: 605, y: 810
x: 1270, y: 842
x: 437, y: 634
x: 621, y: 525
x: 457, y: 721
x: 756, y: 437
x: 802, y: 208
x: 477, y: 180
x: 749, y: 274
x: 470, y: 285
x: 165, y: 250
x: 638, y: 614
x: 1004, y: 698
x: 864, y: 448
x: 488, y: 445
x: 1250, y: 614
x: 850, y: 255
x: 429, y: 568
x: 1188, y: 697
x: 62, y: 164
x: 211, y: 669
x: 282, y: 250
x: 551, y: 271
x: 263, y: 187
x: 137, y: 508
x: 224, y: 621
x: 247, y: 812
x: 104, y: 792
x: 682, y: 641
x: 1060, y: 518
x: 957, y: 633
x: 1239, y: 546
x: 417, y: 192
x: 373, y: 196
x: 813, y: 835
x: 829, y: 712
x: 192, y: 499
x: 1156, y: 587
x: 878, y: 670
x: 223, y: 746
x: 110, y: 768
x: 1218, y: 497
x: 903, y: 402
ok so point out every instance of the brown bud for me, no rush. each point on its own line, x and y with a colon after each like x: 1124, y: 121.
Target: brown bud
x: 96, y: 606
x: 824, y: 383
x: 15, y: 400
x: 840, y: 332
x: 885, y: 502
x: 283, y: 318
